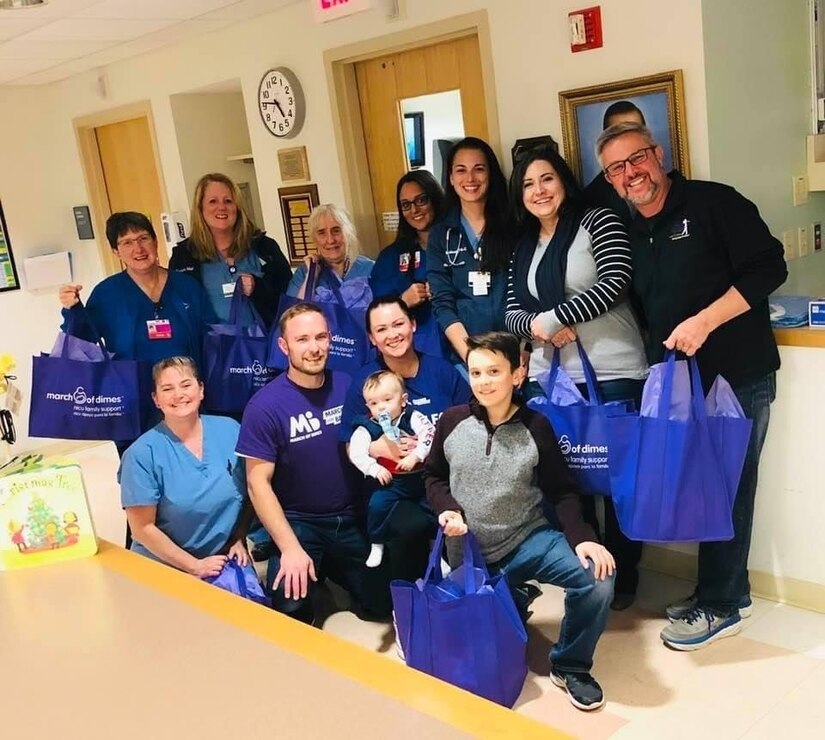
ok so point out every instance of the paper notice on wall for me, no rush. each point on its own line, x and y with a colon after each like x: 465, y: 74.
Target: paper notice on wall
x: 389, y: 221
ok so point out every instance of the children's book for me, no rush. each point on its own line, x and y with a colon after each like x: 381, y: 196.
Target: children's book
x: 44, y: 513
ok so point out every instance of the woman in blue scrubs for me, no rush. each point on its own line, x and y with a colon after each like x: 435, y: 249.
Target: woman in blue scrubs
x: 182, y: 486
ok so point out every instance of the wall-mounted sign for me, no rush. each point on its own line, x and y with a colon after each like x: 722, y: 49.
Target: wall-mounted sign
x: 83, y: 222
x: 296, y: 205
x: 293, y: 164
x: 8, y: 270
x: 330, y: 10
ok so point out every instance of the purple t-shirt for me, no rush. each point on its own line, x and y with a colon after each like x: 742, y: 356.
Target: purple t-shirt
x: 297, y: 429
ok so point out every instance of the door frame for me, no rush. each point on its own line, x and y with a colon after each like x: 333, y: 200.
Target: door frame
x: 346, y: 110
x: 84, y: 128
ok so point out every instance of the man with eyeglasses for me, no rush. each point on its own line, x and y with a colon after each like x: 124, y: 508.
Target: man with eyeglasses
x: 704, y: 264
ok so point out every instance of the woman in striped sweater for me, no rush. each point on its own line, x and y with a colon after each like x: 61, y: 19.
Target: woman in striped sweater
x: 569, y: 277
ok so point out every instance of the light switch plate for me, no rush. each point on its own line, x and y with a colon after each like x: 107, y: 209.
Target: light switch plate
x: 804, y: 241
x: 789, y: 241
x: 800, y: 189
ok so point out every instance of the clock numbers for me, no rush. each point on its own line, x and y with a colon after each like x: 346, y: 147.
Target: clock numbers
x: 280, y: 103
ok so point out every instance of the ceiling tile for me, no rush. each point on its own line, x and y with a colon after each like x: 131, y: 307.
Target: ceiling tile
x: 77, y: 29
x: 245, y: 9
x: 175, y: 10
x: 14, y: 69
x: 54, y: 9
x: 11, y: 27
x: 18, y: 49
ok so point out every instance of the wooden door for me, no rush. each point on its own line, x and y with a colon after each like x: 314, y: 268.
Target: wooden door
x: 385, y: 81
x: 127, y: 159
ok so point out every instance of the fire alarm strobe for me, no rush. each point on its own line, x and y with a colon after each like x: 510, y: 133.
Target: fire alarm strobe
x: 585, y: 29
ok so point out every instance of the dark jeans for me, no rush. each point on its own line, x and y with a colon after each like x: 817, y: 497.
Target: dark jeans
x: 546, y: 556
x: 723, y: 566
x: 409, y: 529
x: 338, y: 547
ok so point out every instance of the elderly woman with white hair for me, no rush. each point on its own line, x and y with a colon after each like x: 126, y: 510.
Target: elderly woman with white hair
x: 336, y: 245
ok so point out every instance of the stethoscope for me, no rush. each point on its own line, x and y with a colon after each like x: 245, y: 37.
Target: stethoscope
x: 452, y: 255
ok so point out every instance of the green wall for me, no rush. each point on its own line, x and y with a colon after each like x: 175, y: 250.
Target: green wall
x: 758, y: 81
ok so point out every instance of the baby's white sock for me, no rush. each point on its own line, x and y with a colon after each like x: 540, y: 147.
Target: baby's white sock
x: 376, y: 556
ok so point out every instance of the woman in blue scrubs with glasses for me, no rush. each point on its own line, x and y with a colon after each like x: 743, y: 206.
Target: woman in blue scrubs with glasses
x: 182, y: 486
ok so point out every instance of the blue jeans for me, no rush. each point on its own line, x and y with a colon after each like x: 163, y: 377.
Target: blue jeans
x: 723, y: 566
x: 339, y: 549
x: 546, y: 556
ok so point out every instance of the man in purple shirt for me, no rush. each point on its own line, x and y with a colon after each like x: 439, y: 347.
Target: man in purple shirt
x: 300, y: 482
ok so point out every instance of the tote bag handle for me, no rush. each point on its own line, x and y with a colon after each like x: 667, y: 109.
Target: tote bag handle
x: 71, y: 325
x: 239, y: 300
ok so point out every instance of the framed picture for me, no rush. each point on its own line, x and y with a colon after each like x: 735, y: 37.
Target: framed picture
x: 296, y: 205
x: 293, y: 164
x: 9, y: 279
x: 659, y: 97
x: 414, y: 138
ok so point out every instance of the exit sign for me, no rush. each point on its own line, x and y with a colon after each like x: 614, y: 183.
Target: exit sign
x: 330, y: 10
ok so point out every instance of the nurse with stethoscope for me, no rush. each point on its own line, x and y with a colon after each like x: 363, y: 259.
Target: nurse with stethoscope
x: 469, y: 250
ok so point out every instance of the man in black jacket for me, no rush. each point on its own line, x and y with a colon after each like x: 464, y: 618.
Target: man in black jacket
x: 704, y: 264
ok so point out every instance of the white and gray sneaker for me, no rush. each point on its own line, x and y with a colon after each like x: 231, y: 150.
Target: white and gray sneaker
x: 680, y: 609
x: 699, y: 628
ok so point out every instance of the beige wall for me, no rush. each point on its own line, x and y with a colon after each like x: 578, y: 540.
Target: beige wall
x: 210, y: 128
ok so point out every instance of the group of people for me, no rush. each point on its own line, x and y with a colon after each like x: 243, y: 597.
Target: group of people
x: 349, y: 475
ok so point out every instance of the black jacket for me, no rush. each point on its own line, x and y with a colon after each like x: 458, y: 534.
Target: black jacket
x: 268, y: 289
x: 706, y: 239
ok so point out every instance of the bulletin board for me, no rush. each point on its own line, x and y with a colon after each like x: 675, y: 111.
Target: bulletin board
x: 8, y: 270
x: 296, y: 205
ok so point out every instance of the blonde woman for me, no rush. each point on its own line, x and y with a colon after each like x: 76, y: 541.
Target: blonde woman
x: 225, y: 247
x: 336, y: 251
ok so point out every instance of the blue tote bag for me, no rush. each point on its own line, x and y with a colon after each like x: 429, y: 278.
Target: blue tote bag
x: 349, y: 346
x: 234, y: 359
x: 465, y: 628
x: 241, y: 580
x: 673, y: 474
x: 580, y: 425
x: 86, y: 399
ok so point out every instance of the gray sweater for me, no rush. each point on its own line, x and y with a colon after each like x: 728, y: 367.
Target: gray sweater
x: 497, y: 477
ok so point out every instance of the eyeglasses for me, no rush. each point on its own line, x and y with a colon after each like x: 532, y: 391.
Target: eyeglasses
x: 141, y: 240
x: 419, y: 200
x: 614, y: 169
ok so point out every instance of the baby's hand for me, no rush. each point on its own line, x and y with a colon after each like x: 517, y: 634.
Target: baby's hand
x: 407, y: 463
x: 384, y: 476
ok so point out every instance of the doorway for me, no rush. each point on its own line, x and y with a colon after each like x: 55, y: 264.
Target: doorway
x: 122, y: 170
x: 445, y: 66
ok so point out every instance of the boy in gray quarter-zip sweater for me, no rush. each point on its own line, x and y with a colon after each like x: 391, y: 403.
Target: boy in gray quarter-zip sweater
x: 492, y: 464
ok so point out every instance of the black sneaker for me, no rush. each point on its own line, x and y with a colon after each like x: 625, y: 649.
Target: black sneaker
x: 582, y: 689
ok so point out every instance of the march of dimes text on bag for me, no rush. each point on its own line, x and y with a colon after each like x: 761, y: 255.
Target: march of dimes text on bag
x: 583, y: 457
x: 344, y: 347
x: 91, y: 407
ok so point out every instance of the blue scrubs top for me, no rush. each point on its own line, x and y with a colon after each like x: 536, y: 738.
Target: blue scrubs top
x: 198, y: 501
x: 216, y: 273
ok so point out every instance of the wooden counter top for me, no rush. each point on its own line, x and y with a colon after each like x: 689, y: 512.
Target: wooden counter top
x: 803, y: 336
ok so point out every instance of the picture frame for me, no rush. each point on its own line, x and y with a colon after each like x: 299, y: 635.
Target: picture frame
x: 9, y: 279
x: 661, y: 99
x: 296, y: 205
x: 414, y: 138
x: 293, y: 164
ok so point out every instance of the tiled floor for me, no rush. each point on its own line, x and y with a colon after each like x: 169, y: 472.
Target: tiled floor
x: 766, y: 683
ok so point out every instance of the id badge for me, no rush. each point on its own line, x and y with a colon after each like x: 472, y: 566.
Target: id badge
x: 159, y: 328
x: 417, y: 258
x: 404, y: 262
x: 228, y: 289
x: 479, y: 282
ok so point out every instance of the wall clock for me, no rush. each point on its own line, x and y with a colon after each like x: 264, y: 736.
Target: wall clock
x: 281, y: 102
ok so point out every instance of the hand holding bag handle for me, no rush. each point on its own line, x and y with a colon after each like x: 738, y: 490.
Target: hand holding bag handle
x: 594, y: 396
x: 71, y: 325
x: 239, y: 300
x: 473, y: 559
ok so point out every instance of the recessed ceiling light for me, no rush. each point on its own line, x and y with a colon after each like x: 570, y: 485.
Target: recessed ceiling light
x: 15, y: 4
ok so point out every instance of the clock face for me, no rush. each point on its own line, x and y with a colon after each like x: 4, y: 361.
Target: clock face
x: 281, y: 102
